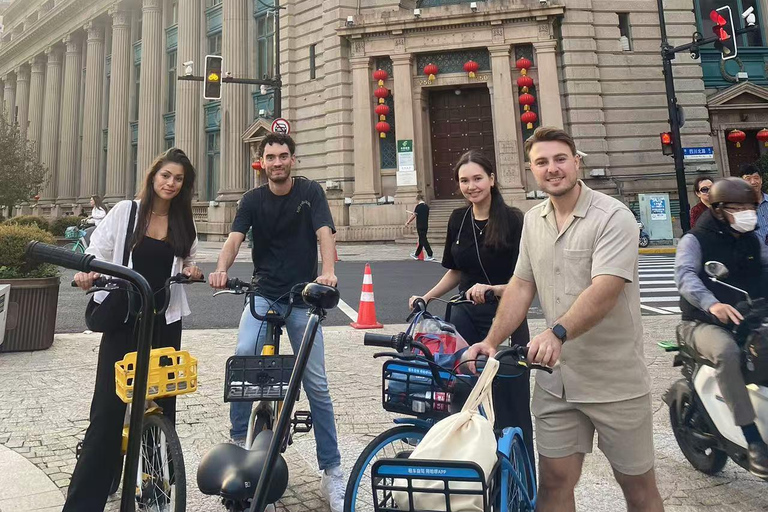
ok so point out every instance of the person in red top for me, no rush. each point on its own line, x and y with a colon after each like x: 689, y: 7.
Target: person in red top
x: 701, y: 187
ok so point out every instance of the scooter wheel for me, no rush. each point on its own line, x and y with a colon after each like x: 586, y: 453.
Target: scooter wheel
x: 686, y: 419
x: 644, y: 241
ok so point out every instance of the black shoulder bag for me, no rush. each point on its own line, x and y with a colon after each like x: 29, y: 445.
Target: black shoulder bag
x: 118, y: 307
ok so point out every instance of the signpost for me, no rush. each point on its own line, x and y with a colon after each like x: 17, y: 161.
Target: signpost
x: 406, y: 168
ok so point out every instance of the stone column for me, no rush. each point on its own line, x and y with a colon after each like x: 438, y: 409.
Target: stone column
x: 36, y: 102
x: 405, y: 126
x: 73, y: 68
x: 188, y: 94
x: 505, y: 124
x: 548, y: 87
x: 22, y: 98
x: 9, y: 97
x: 49, y: 131
x: 235, y: 168
x: 367, y: 173
x: 150, y: 92
x: 94, y: 82
x: 118, y: 137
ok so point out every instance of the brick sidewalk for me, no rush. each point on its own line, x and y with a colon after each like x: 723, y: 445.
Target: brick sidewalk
x: 45, y: 396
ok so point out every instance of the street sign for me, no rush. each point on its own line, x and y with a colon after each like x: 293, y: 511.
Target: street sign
x: 406, y: 166
x: 281, y: 126
x: 706, y: 153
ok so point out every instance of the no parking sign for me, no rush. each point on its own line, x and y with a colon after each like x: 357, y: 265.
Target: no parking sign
x: 281, y: 126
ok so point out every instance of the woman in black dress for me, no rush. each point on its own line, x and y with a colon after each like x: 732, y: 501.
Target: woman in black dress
x: 480, y: 254
x: 163, y: 244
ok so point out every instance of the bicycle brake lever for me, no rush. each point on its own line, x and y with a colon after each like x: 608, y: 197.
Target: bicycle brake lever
x: 388, y: 354
x: 540, y: 367
x: 233, y: 292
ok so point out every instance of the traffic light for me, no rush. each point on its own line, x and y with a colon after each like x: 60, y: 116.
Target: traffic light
x: 213, y: 70
x: 667, y: 143
x: 724, y: 31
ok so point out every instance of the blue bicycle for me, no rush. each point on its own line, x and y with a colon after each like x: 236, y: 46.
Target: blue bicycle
x: 415, y: 385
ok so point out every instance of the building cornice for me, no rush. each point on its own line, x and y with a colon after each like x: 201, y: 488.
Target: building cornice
x: 65, y: 17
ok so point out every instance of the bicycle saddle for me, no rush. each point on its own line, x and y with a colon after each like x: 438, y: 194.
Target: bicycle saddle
x: 320, y: 296
x: 232, y: 472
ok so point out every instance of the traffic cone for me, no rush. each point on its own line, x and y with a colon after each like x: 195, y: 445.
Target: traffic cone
x: 420, y: 256
x: 366, y: 313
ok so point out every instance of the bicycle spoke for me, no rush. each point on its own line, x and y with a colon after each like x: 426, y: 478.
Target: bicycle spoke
x: 155, y: 490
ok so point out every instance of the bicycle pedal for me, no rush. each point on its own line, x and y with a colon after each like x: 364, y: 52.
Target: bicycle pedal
x: 302, y: 421
x: 78, y: 449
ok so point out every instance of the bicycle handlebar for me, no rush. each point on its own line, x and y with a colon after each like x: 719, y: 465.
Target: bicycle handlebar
x: 55, y: 255
x: 238, y: 287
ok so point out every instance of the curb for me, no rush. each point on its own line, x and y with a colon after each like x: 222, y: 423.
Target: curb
x: 657, y: 250
x: 24, y: 487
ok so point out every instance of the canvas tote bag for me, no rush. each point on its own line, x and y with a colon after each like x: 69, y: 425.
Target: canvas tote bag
x: 466, y: 436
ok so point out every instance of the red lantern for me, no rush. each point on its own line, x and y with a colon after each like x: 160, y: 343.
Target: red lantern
x: 762, y: 136
x: 471, y: 67
x: 381, y: 93
x: 380, y: 75
x: 36, y: 197
x: 382, y: 111
x: 383, y: 128
x: 430, y: 70
x: 737, y: 136
x: 525, y: 82
x: 527, y: 100
x: 256, y: 166
x: 529, y: 118
x: 523, y: 65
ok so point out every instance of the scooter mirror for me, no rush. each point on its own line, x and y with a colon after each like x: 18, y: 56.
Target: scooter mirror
x: 716, y: 269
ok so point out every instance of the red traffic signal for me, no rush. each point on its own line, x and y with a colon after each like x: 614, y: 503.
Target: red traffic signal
x: 667, y: 143
x: 724, y: 31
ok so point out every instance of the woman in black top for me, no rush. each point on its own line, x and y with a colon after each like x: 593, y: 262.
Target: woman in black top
x: 480, y: 254
x: 163, y: 243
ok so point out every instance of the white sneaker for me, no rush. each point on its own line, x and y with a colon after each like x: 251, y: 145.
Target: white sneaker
x: 413, y: 256
x: 429, y: 258
x: 333, y: 486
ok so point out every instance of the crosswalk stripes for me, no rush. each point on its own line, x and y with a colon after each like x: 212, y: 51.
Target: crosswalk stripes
x: 658, y: 293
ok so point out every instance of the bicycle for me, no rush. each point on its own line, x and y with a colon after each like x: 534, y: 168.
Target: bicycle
x: 228, y: 470
x: 78, y: 234
x: 414, y: 385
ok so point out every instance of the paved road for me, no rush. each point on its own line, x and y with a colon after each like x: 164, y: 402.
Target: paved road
x: 658, y: 293
x: 394, y: 282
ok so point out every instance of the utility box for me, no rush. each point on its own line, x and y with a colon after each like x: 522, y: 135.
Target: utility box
x: 656, y: 216
x: 5, y: 293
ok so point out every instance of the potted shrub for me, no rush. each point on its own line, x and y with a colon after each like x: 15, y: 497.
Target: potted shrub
x: 29, y: 220
x: 31, y: 317
x: 59, y: 226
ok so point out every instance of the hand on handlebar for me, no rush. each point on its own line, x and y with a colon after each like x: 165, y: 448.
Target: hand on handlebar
x: 84, y: 280
x: 478, y: 292
x: 413, y: 299
x: 483, y: 348
x: 726, y: 313
x: 193, y: 272
x: 544, y: 349
x: 218, y: 280
x: 328, y: 279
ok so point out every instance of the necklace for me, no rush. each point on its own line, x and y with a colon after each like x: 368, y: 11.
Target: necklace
x: 159, y: 214
x: 479, y: 229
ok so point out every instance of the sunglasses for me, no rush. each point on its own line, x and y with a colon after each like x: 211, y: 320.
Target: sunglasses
x: 704, y: 190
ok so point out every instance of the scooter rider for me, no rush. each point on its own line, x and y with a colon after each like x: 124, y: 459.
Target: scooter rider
x: 724, y: 233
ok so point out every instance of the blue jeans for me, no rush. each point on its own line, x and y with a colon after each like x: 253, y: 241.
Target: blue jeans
x: 315, y: 382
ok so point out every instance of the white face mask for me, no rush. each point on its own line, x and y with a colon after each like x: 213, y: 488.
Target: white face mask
x: 744, y: 221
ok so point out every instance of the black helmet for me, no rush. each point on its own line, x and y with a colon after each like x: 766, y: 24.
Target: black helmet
x: 732, y: 190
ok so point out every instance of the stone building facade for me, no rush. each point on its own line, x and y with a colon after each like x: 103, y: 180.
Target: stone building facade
x: 93, y: 84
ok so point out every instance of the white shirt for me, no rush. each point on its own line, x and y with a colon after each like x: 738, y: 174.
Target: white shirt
x: 97, y: 214
x: 108, y: 242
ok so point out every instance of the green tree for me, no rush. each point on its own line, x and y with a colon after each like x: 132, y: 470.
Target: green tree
x: 21, y: 173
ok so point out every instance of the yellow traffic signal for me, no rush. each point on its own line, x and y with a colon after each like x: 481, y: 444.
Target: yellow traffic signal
x: 213, y: 68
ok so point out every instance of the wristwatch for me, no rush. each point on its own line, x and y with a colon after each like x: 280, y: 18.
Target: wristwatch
x: 559, y: 331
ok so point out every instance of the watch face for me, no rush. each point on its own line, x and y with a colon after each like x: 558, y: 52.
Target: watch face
x: 559, y: 331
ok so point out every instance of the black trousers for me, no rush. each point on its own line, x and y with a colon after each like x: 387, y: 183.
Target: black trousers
x: 423, y: 242
x: 511, y: 396
x: 92, y: 478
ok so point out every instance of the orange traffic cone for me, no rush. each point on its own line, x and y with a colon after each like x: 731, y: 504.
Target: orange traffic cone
x: 366, y: 314
x: 420, y: 256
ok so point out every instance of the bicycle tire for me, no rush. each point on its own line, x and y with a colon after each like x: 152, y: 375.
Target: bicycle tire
x: 263, y: 422
x: 158, y: 431
x: 359, y: 496
x: 521, y: 482
x: 75, y: 247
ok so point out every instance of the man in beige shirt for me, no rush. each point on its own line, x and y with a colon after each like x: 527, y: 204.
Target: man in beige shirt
x: 579, y: 253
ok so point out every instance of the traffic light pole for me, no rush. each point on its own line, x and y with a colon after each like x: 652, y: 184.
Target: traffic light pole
x: 668, y: 54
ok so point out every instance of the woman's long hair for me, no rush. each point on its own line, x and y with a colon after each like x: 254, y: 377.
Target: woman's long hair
x: 498, y: 228
x: 99, y: 203
x: 181, y: 225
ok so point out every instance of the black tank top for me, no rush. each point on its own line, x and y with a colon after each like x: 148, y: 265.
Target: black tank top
x: 153, y: 259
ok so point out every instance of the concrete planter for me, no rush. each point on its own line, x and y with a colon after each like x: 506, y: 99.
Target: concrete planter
x: 31, y: 320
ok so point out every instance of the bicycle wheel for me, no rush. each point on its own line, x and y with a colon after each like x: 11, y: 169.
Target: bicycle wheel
x: 520, y: 481
x: 263, y: 422
x: 393, y: 443
x: 161, y: 466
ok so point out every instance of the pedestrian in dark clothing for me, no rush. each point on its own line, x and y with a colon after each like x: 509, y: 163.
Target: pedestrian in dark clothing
x: 421, y: 214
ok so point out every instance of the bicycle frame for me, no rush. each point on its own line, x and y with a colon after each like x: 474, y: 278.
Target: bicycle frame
x: 88, y: 263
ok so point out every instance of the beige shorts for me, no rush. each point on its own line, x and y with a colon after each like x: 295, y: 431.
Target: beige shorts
x: 624, y: 430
